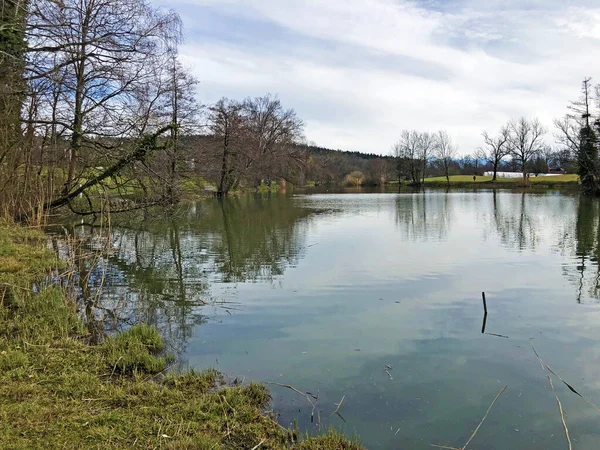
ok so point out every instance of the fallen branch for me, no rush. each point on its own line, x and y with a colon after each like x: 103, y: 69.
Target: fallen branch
x: 339, y: 404
x: 387, y: 369
x: 307, y: 396
x: 478, y: 426
x: 562, y: 415
x: 484, y: 417
x: 338, y: 408
x: 571, y: 388
x: 293, y: 389
x: 538, y: 356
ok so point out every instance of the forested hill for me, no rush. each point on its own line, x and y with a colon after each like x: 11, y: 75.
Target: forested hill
x: 315, y: 150
x: 304, y: 164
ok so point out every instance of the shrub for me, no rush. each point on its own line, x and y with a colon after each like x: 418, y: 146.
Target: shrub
x: 354, y: 179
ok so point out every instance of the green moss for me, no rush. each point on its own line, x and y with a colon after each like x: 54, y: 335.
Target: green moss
x: 57, y: 391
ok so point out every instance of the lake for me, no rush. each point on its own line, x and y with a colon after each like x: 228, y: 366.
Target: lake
x: 376, y: 299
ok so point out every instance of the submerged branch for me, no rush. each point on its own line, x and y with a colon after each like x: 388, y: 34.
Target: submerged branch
x: 562, y: 414
x: 478, y: 426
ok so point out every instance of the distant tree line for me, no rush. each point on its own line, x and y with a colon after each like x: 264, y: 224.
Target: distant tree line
x: 95, y: 104
x: 231, y: 159
x: 519, y: 145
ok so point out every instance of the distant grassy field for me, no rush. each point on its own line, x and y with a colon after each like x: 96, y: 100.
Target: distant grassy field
x: 457, y: 180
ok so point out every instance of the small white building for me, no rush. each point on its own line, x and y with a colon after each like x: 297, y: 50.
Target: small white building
x: 518, y: 174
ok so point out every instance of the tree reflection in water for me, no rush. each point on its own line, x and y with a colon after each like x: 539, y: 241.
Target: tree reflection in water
x: 174, y: 268
x: 162, y: 267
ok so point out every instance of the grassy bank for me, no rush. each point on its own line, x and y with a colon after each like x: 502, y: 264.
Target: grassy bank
x: 570, y: 180
x: 58, y: 391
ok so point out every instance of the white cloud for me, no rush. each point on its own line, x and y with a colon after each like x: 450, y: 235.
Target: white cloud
x: 360, y: 71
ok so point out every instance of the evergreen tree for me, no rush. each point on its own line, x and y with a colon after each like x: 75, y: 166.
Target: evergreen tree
x: 587, y: 156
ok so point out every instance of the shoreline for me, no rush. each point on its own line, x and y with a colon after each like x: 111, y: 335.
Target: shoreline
x: 58, y: 388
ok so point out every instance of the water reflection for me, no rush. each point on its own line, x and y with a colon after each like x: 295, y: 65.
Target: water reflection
x: 162, y: 267
x: 325, y: 291
x: 514, y: 222
x: 584, y: 273
x: 165, y: 267
x: 424, y: 216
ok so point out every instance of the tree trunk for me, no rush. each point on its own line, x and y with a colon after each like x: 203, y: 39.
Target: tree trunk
x: 77, y: 131
x: 146, y: 146
x: 222, y: 189
x: 495, y: 170
x: 174, y: 137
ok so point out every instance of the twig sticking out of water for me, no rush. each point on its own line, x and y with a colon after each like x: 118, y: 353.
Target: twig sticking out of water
x: 338, y: 408
x: 339, y: 404
x: 571, y: 388
x: 388, y: 369
x: 562, y: 415
x: 306, y: 396
x: 478, y: 426
x: 484, y: 322
x: 292, y: 388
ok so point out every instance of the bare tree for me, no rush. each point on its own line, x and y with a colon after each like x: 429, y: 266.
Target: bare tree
x: 427, y: 142
x: 568, y: 134
x: 406, y: 152
x: 184, y: 115
x: 412, y: 153
x: 525, y: 141
x: 105, y: 49
x: 445, y: 151
x: 257, y: 140
x: 496, y: 148
x: 378, y: 169
x: 272, y: 133
x: 225, y: 122
x: 478, y: 156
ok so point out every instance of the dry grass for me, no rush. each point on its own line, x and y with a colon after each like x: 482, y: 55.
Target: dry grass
x: 58, y: 391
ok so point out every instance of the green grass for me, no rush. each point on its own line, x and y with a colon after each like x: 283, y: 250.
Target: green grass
x: 456, y: 180
x: 331, y: 440
x: 58, y: 391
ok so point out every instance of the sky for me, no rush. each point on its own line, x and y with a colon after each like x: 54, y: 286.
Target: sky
x: 358, y: 72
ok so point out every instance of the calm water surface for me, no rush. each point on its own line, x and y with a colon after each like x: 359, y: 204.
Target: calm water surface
x: 324, y: 291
